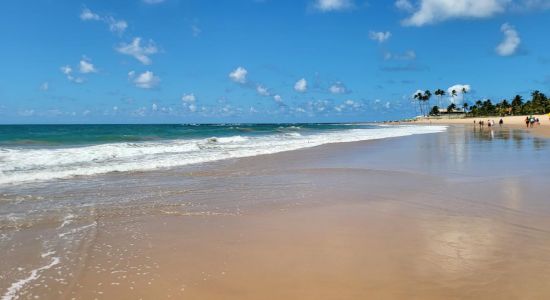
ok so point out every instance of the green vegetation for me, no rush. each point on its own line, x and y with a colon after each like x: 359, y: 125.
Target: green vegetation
x: 539, y: 104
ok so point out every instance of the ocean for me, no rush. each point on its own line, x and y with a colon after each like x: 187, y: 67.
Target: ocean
x: 30, y: 153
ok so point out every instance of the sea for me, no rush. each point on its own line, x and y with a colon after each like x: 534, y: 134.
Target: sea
x: 39, y: 153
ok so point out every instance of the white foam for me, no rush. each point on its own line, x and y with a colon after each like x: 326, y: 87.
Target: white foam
x: 15, y: 287
x: 20, y: 165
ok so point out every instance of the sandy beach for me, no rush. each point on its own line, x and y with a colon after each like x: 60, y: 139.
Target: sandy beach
x: 509, y: 121
x: 456, y: 215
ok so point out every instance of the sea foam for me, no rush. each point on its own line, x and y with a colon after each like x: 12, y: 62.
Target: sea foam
x: 21, y: 165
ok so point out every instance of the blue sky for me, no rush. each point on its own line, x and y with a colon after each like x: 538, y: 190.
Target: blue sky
x: 190, y: 61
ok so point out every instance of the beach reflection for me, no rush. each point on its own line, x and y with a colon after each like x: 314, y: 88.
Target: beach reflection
x: 459, y: 245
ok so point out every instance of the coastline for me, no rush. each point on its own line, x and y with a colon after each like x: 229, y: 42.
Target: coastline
x: 515, y: 122
x: 418, y: 216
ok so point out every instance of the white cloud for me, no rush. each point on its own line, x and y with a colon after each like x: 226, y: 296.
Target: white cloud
x: 333, y: 5
x: 278, y: 98
x: 188, y: 98
x: 67, y: 70
x: 262, y: 91
x: 26, y: 113
x: 404, y: 5
x: 138, y: 51
x: 433, y: 11
x: 534, y: 4
x: 44, y: 86
x: 338, y: 88
x: 146, y: 80
x: 511, y: 41
x: 238, y: 75
x: 189, y: 102
x: 379, y: 36
x: 301, y: 85
x: 85, y: 66
x: 416, y: 93
x: 88, y: 15
x: 458, y: 88
x: 154, y: 107
x: 117, y: 26
x: 407, y: 55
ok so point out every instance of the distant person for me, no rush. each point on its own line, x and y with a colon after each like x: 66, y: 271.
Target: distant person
x: 500, y: 122
x: 527, y: 122
x: 537, y: 121
x: 532, y: 122
x: 488, y: 123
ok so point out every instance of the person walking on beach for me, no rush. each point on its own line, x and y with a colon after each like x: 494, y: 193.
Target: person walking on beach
x: 500, y: 122
x: 527, y: 122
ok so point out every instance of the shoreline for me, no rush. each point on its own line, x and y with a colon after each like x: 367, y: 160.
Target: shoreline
x: 514, y: 122
x: 394, y: 218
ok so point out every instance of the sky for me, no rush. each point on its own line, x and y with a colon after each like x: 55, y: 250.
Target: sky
x: 203, y: 61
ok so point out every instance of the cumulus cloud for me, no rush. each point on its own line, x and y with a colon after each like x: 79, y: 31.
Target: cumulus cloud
x: 278, y: 98
x: 88, y: 15
x: 68, y: 71
x: 238, y: 75
x: 433, y: 11
x: 45, y: 86
x: 404, y: 5
x: 407, y: 55
x: 379, y: 36
x: 188, y: 101
x: 145, y: 80
x: 458, y: 88
x: 188, y: 98
x: 338, y: 88
x: 85, y: 66
x: 333, y: 5
x: 116, y: 26
x: 262, y: 91
x: 511, y: 41
x: 301, y: 85
x: 139, y: 51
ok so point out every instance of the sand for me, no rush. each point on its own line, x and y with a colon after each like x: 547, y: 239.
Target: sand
x: 457, y: 215
x: 510, y: 121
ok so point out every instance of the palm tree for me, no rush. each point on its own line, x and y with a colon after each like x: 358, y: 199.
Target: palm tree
x: 440, y: 93
x: 418, y: 96
x: 464, y: 92
x: 465, y: 106
x: 451, y: 108
x: 426, y: 98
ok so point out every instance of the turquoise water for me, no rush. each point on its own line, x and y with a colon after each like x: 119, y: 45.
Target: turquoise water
x: 59, y: 135
x: 47, y: 152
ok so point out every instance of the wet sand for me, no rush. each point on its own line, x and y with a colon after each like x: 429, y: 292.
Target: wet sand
x: 516, y: 122
x: 457, y: 215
